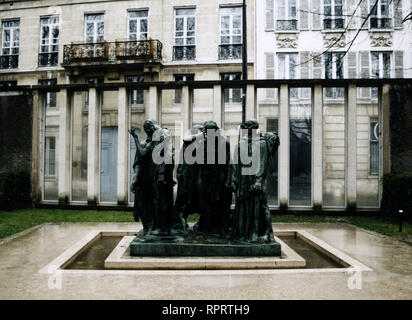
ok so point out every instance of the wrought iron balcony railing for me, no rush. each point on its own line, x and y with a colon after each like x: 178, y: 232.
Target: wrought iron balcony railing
x: 9, y: 61
x: 381, y: 23
x: 49, y: 59
x: 333, y: 23
x: 112, y: 51
x: 184, y: 53
x: 230, y: 51
x: 286, y: 24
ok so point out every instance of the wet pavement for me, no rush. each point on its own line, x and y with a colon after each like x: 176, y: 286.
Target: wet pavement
x: 21, y: 258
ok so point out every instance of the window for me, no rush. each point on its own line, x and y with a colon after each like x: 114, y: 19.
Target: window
x: 286, y: 15
x: 374, y: 147
x: 381, y: 64
x: 10, y: 44
x: 185, y: 35
x: 138, y: 24
x: 332, y: 9
x: 94, y: 27
x: 50, y: 157
x: 334, y: 70
x: 230, y: 33
x: 286, y: 64
x: 49, y: 41
x: 49, y: 97
x: 92, y: 80
x: 380, y: 17
x: 232, y: 95
x: 178, y: 92
x: 8, y: 84
x: 136, y: 96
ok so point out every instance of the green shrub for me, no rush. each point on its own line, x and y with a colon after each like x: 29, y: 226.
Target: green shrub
x: 14, y: 190
x: 397, y: 194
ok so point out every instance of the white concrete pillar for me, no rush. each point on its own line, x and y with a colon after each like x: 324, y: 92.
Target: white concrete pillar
x: 250, y: 102
x: 122, y: 145
x: 217, y: 105
x: 154, y: 102
x: 284, y: 145
x: 93, y: 150
x: 63, y: 100
x: 186, y: 110
x: 37, y: 147
x: 385, y: 131
x: 351, y: 146
x: 317, y: 138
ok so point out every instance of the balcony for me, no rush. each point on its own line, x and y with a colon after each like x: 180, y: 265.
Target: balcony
x: 230, y: 51
x: 9, y: 61
x: 286, y: 24
x: 333, y: 23
x: 381, y: 23
x: 112, y: 53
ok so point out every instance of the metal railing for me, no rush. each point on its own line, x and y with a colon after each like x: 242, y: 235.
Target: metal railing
x: 9, y: 61
x: 49, y: 59
x: 333, y: 23
x: 112, y: 51
x: 184, y: 52
x: 381, y: 23
x: 286, y: 24
x: 230, y: 51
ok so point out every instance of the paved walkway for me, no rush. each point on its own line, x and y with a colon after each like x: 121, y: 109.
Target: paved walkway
x: 21, y: 258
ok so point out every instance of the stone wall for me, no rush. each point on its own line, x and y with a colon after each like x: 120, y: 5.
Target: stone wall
x: 401, y: 128
x: 15, y: 131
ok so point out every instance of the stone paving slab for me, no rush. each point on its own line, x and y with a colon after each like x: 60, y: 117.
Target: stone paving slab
x: 23, y: 257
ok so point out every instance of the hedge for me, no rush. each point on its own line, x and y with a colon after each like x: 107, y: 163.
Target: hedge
x: 14, y: 190
x: 397, y: 194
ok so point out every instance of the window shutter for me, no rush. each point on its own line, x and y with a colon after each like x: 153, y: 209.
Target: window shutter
x: 352, y: 65
x: 364, y: 13
x: 270, y: 72
x: 316, y: 23
x: 398, y: 17
x: 270, y: 18
x: 304, y: 17
x: 303, y: 65
x: 350, y: 11
x: 398, y: 64
x: 364, y: 64
x: 317, y: 65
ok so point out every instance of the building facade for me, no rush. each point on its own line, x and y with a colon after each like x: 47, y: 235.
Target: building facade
x: 86, y: 64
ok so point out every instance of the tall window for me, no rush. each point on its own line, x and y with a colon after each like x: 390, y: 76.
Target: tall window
x: 233, y: 95
x: 49, y: 97
x: 94, y: 27
x: 181, y: 77
x: 286, y: 65
x: 380, y: 16
x: 185, y: 35
x: 332, y: 9
x: 374, y: 147
x: 138, y: 24
x: 381, y: 64
x: 136, y: 96
x: 10, y: 44
x: 49, y: 41
x: 50, y: 157
x: 230, y: 33
x: 334, y: 70
x: 286, y: 15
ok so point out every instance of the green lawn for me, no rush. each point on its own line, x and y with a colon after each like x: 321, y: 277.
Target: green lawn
x: 19, y: 220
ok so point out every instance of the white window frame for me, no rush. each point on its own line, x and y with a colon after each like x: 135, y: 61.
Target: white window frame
x: 185, y: 37
x: 287, y: 64
x: 13, y: 45
x: 334, y: 67
x: 333, y: 17
x: 284, y: 12
x: 230, y: 90
x: 379, y: 11
x: 380, y: 63
x: 231, y: 33
x: 138, y: 26
x: 95, y: 28
x: 184, y: 78
x: 133, y: 93
x: 50, y: 42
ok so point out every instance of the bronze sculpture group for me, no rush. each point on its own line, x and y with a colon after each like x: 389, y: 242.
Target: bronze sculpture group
x: 207, y: 177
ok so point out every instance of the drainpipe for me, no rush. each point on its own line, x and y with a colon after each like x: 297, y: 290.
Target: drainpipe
x: 244, y: 59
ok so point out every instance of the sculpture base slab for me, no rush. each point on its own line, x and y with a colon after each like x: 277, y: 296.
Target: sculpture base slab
x: 203, y: 246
